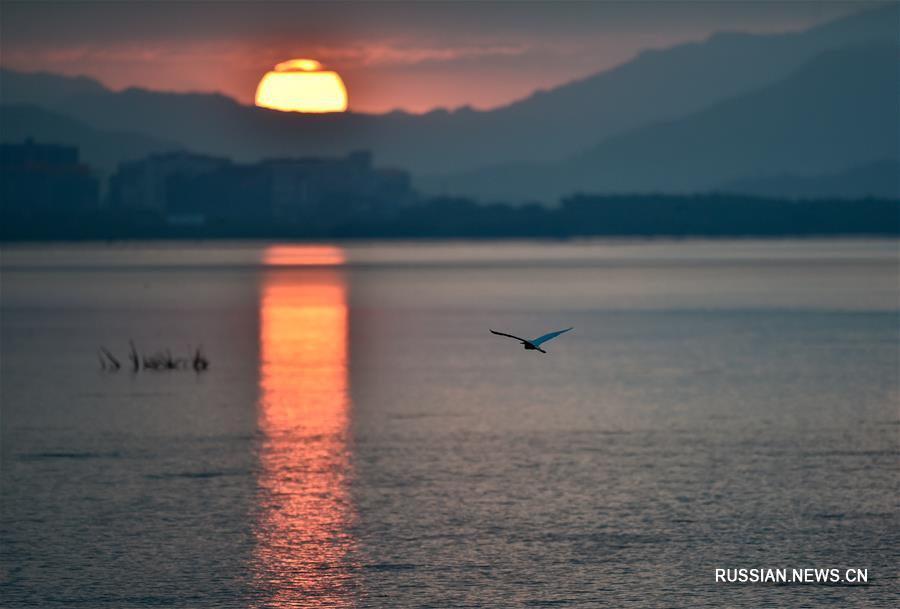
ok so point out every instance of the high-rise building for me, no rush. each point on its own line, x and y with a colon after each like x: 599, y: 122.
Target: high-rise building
x: 44, y: 179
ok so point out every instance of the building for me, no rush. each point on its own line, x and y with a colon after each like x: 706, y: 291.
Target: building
x: 145, y: 184
x: 42, y: 179
x: 316, y: 189
x: 310, y: 192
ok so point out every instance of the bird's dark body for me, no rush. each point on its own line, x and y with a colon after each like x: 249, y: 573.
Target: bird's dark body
x: 535, y: 343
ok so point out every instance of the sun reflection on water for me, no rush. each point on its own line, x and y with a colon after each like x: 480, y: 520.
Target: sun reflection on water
x: 303, y: 255
x: 303, y: 538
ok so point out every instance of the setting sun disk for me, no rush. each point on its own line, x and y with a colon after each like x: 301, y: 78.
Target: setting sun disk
x: 301, y: 85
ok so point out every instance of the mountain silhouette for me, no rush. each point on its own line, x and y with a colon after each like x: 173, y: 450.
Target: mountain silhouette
x: 547, y: 126
x: 665, y: 84
x: 44, y: 88
x: 104, y: 150
x: 835, y: 112
x: 606, y: 131
x: 880, y: 179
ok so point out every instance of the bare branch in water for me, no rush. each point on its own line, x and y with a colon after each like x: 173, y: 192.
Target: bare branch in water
x: 200, y: 362
x: 133, y: 356
x: 161, y: 360
x: 112, y: 358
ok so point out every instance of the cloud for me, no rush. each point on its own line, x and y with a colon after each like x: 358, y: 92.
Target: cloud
x: 399, y: 54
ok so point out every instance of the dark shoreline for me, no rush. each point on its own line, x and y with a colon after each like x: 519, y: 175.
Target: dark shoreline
x: 713, y: 215
x: 611, y: 239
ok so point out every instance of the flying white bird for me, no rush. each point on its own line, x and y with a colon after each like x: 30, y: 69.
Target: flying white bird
x: 534, y: 344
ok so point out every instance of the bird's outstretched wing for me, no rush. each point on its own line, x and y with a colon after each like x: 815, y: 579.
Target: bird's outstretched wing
x: 524, y: 340
x: 549, y: 336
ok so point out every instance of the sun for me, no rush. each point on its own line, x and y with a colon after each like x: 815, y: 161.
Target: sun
x: 302, y: 85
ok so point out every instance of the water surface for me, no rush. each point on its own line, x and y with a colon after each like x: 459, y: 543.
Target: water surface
x: 361, y: 440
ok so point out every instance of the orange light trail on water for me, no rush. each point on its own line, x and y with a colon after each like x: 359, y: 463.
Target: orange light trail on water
x: 303, y: 538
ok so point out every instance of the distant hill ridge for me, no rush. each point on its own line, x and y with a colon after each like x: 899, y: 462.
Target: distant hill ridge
x: 880, y: 179
x: 22, y: 88
x: 583, y: 123
x: 836, y: 112
x: 104, y: 150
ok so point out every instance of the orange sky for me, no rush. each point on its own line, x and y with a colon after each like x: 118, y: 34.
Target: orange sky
x: 411, y: 56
